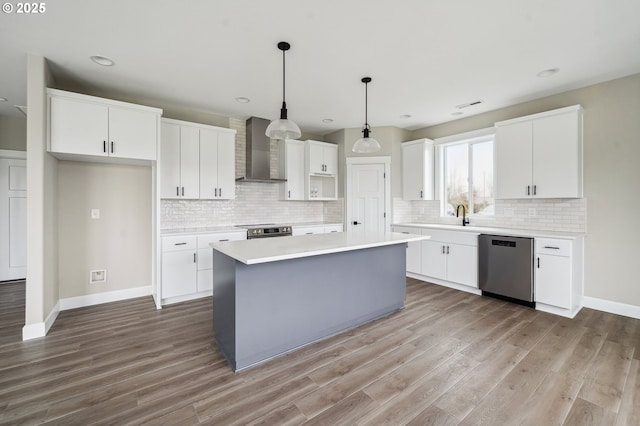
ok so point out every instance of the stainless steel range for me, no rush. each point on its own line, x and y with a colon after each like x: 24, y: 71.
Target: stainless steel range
x: 266, y: 230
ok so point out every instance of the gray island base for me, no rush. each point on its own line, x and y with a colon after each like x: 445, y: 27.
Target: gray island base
x: 264, y: 310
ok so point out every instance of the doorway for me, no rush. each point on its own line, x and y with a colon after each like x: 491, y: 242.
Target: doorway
x: 368, y: 194
x: 13, y: 215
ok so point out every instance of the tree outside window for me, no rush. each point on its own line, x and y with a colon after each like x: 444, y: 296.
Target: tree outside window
x: 468, y: 177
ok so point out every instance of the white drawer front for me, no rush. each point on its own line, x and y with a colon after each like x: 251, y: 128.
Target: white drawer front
x: 407, y: 230
x: 553, y: 247
x: 453, y: 237
x: 333, y: 228
x: 205, y: 240
x: 178, y: 243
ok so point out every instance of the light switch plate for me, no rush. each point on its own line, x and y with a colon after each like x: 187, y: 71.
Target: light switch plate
x: 95, y: 213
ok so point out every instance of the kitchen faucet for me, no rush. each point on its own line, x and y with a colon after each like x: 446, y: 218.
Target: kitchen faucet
x: 465, y: 221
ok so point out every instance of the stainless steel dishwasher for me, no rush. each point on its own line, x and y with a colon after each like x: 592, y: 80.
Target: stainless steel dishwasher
x: 505, y: 268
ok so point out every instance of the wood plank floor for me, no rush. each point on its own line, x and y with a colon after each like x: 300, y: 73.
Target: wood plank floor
x: 449, y: 358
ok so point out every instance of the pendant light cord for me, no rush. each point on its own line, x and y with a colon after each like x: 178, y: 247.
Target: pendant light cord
x: 283, y: 74
x: 366, y: 102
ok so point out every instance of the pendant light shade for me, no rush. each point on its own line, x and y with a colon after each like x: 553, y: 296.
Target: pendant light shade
x: 283, y: 128
x: 366, y: 144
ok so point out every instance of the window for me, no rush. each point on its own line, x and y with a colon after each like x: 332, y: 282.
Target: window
x: 467, y: 176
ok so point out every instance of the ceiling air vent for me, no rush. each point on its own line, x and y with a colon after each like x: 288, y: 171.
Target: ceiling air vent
x: 468, y: 104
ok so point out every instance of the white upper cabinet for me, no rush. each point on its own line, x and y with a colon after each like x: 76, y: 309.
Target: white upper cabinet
x: 322, y: 157
x: 217, y: 165
x: 179, y: 161
x: 189, y: 162
x: 418, y: 170
x: 291, y: 168
x: 196, y: 161
x: 321, y: 171
x: 81, y: 125
x: 540, y: 156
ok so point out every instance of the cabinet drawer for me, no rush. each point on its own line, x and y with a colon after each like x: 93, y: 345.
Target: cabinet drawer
x: 453, y: 237
x: 333, y: 228
x: 205, y: 240
x: 178, y: 243
x: 407, y: 230
x: 553, y: 247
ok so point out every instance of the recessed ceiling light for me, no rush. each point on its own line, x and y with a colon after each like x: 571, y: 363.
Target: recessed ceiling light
x: 457, y: 113
x: 327, y: 120
x: 548, y: 73
x: 243, y: 100
x: 405, y: 116
x: 101, y: 60
x: 3, y: 99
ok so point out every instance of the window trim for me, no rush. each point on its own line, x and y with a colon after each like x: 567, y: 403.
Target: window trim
x: 469, y: 138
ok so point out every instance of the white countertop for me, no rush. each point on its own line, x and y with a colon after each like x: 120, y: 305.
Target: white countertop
x: 273, y: 249
x: 232, y: 228
x: 495, y: 231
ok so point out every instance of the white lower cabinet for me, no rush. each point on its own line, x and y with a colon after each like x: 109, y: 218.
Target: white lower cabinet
x: 316, y: 229
x: 205, y: 256
x: 558, y: 276
x: 179, y: 266
x: 187, y: 265
x: 448, y: 257
x: 414, y: 249
x: 444, y: 260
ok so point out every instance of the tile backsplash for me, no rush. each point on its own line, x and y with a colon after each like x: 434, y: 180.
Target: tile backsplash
x: 561, y: 215
x: 254, y: 203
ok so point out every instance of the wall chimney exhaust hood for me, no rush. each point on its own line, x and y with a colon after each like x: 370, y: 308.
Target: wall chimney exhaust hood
x: 258, y: 153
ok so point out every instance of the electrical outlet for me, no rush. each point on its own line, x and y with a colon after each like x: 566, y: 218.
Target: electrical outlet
x: 95, y: 213
x: 98, y: 276
x: 421, y: 210
x: 532, y: 211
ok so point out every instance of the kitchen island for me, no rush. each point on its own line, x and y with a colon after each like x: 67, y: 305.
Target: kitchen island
x: 274, y: 295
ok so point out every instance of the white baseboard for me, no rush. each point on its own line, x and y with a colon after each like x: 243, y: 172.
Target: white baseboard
x: 40, y: 329
x: 617, y: 308
x: 444, y: 283
x: 99, y: 298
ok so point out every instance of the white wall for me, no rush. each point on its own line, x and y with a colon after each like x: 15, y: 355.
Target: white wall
x: 42, y: 235
x: 13, y: 133
x: 611, y: 176
x: 390, y: 139
x: 119, y: 241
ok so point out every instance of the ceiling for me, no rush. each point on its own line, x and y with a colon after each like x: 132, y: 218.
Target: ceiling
x: 425, y: 56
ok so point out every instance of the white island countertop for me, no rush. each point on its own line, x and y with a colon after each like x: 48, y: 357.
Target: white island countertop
x: 282, y: 248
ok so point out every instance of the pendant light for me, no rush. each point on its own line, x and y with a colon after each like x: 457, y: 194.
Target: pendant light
x: 366, y: 144
x: 283, y: 128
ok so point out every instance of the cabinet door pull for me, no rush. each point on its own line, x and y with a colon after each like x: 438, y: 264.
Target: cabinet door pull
x: 183, y: 191
x: 195, y: 257
x: 534, y: 189
x: 552, y: 247
x: 528, y: 189
x: 447, y: 249
x: 177, y: 191
x: 180, y: 244
x: 104, y: 146
x: 442, y: 249
x: 215, y: 192
x: 421, y: 193
x: 219, y: 192
x: 538, y: 263
x: 226, y: 239
x: 289, y: 193
x: 112, y: 147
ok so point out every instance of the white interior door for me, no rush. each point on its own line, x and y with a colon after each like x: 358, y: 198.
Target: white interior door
x: 13, y: 219
x: 366, y: 189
